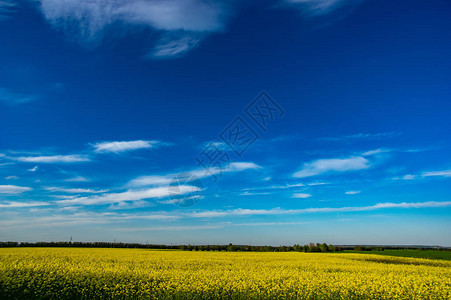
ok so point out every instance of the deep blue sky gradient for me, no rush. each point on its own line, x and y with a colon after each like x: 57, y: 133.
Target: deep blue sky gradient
x: 372, y: 76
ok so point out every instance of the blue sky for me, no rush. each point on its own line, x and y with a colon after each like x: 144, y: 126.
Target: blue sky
x: 111, y: 112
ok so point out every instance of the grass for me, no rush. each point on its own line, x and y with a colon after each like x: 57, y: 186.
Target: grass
x: 429, y: 254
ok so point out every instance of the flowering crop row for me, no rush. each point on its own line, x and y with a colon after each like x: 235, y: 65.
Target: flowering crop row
x: 61, y: 273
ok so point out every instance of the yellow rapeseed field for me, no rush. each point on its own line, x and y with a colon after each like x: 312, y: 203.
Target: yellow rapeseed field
x: 61, y: 273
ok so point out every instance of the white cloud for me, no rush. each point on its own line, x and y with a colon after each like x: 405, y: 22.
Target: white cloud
x: 284, y: 186
x: 352, y: 192
x: 74, y: 190
x: 317, y: 7
x: 12, y: 98
x: 53, y: 159
x: 360, y: 136
x: 316, y: 183
x: 446, y: 173
x: 14, y: 204
x: 175, y: 46
x: 34, y: 169
x: 131, y: 195
x: 322, y: 9
x: 118, y: 147
x: 174, y: 228
x: 301, y: 195
x: 77, y: 218
x: 11, y: 177
x: 77, y: 179
x: 13, y: 189
x: 279, y: 211
x: 220, y: 146
x: 406, y: 177
x: 176, y: 19
x: 156, y: 180
x: 242, y: 166
x: 7, y: 7
x: 374, y: 152
x: 322, y: 166
x: 246, y: 193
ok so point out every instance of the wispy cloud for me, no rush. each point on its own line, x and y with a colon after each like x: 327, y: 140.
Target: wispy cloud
x: 181, y: 22
x: 362, y: 136
x: 246, y: 193
x: 13, y: 189
x: 53, y: 159
x: 322, y: 166
x: 157, y: 180
x: 352, y: 192
x: 319, y: 7
x: 284, y: 186
x: 7, y: 8
x: 375, y: 152
x: 279, y: 211
x: 74, y: 190
x: 445, y: 173
x: 220, y: 146
x: 34, y: 169
x: 14, y: 98
x: 12, y: 177
x: 77, y: 179
x: 160, y: 186
x: 131, y: 195
x: 13, y: 204
x: 406, y: 177
x: 124, y: 146
x: 301, y: 195
x: 171, y: 47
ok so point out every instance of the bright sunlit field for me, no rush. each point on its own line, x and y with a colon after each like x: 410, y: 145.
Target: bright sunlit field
x: 135, y: 273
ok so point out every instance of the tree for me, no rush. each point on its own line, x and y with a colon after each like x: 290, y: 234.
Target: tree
x: 322, y: 247
x: 357, y: 248
x: 231, y: 248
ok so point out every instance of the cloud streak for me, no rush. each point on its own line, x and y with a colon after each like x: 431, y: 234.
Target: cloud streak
x: 362, y: 136
x: 53, y: 159
x: 446, y: 173
x: 131, y: 196
x: 301, y: 195
x: 119, y: 147
x: 13, y: 189
x: 322, y: 166
x: 13, y: 204
x: 7, y: 8
x: 181, y: 22
x: 279, y: 211
x: 13, y: 98
x: 319, y: 7
x: 157, y: 180
x: 74, y: 190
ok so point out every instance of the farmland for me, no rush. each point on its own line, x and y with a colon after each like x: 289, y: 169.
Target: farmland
x: 164, y: 274
x: 429, y: 254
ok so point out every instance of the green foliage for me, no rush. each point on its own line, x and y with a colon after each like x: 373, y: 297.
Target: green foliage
x: 417, y: 253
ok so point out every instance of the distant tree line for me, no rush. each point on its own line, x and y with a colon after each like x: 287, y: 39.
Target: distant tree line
x: 230, y: 247
x: 248, y: 248
x: 363, y: 248
x: 87, y: 245
x: 311, y: 247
